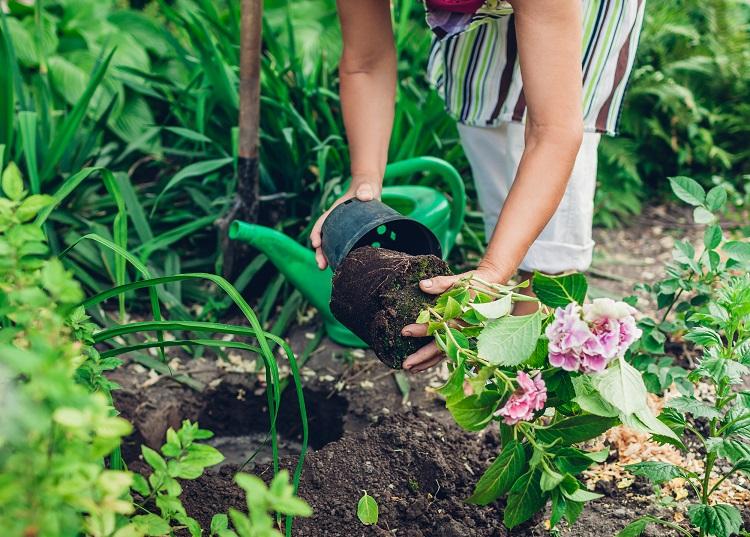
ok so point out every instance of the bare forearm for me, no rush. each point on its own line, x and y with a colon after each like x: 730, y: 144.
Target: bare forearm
x: 549, y: 45
x: 539, y: 186
x: 367, y: 100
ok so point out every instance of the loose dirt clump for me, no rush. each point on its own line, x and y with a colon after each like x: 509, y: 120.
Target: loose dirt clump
x: 376, y: 293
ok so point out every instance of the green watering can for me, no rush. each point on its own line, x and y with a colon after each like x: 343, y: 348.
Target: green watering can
x: 424, y: 204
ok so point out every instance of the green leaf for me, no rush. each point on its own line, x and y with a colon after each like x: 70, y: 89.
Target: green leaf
x: 219, y: 522
x: 712, y: 237
x: 738, y: 250
x: 367, y: 510
x: 691, y: 405
x: 559, y: 291
x: 192, y: 170
x: 703, y: 335
x: 189, y: 134
x: 12, y: 182
x: 423, y: 317
x: 576, y: 429
x: 716, y: 198
x: 203, y: 455
x: 720, y: 520
x: 501, y: 474
x: 453, y: 389
x: 550, y: 480
x: 721, y: 369
x: 573, y: 510
x: 558, y: 508
x: 474, y: 412
x: 656, y: 472
x: 153, y: 459
x: 510, y: 340
x: 734, y: 450
x: 621, y: 385
x: 634, y: 529
x: 525, y: 499
x: 69, y: 128
x: 496, y: 308
x: 590, y: 400
x: 645, y: 421
x: 140, y: 485
x: 241, y: 523
x: 573, y: 461
x: 32, y: 205
x: 703, y: 216
x: 688, y: 190
x: 452, y: 309
x: 582, y: 495
x: 152, y: 525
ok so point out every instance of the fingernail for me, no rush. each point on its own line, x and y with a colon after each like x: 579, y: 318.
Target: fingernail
x: 426, y: 283
x: 406, y: 333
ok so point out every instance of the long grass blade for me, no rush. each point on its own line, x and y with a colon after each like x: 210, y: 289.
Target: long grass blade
x: 7, y: 97
x: 192, y: 170
x: 119, y: 232
x: 27, y: 126
x: 134, y: 207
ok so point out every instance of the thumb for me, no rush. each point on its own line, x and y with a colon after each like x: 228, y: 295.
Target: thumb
x: 438, y: 284
x: 365, y: 192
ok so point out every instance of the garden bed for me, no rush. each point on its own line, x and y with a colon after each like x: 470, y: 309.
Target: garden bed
x: 368, y: 433
x: 412, y: 458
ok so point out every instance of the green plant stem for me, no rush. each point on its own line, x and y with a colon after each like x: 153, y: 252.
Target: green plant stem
x: 668, y: 524
x: 671, y: 305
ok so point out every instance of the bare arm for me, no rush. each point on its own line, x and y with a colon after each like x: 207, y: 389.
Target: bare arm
x: 367, y: 73
x: 549, y: 44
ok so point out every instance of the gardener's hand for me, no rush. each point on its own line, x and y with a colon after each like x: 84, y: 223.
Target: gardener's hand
x: 430, y: 354
x: 364, y: 189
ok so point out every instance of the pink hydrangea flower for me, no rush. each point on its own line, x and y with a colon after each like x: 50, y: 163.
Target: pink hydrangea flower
x: 529, y: 397
x: 587, y: 338
x: 569, y: 361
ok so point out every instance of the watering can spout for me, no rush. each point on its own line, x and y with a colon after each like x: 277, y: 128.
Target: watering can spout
x: 293, y: 260
x: 298, y: 265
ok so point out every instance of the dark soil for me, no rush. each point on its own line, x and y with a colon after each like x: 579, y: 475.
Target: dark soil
x: 414, y: 461
x: 376, y: 293
x: 420, y: 472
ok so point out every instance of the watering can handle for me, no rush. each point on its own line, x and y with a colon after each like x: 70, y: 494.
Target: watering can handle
x: 449, y: 174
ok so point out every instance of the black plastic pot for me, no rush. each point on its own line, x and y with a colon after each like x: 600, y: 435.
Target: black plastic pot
x: 356, y: 223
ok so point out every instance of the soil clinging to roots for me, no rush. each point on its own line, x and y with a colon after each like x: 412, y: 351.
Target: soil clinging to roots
x: 376, y: 293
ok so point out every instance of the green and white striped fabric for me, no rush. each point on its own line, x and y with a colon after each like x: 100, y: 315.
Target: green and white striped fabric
x: 478, y: 74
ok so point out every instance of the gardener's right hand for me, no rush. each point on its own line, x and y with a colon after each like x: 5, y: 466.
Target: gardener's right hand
x: 431, y: 354
x: 363, y: 190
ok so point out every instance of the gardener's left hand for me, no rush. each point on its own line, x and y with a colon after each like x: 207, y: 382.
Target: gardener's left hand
x: 430, y: 354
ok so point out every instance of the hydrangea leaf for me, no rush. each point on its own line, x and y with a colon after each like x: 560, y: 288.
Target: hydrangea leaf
x: 511, y: 340
x: 501, y: 474
x: 559, y: 291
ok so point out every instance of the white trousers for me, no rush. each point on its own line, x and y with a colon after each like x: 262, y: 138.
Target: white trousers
x: 566, y: 243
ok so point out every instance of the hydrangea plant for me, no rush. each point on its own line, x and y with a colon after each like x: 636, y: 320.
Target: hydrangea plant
x: 552, y: 379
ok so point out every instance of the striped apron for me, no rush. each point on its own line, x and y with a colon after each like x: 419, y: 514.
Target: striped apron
x: 474, y: 63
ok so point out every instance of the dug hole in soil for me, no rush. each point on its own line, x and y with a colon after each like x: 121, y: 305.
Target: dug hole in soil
x: 376, y: 293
